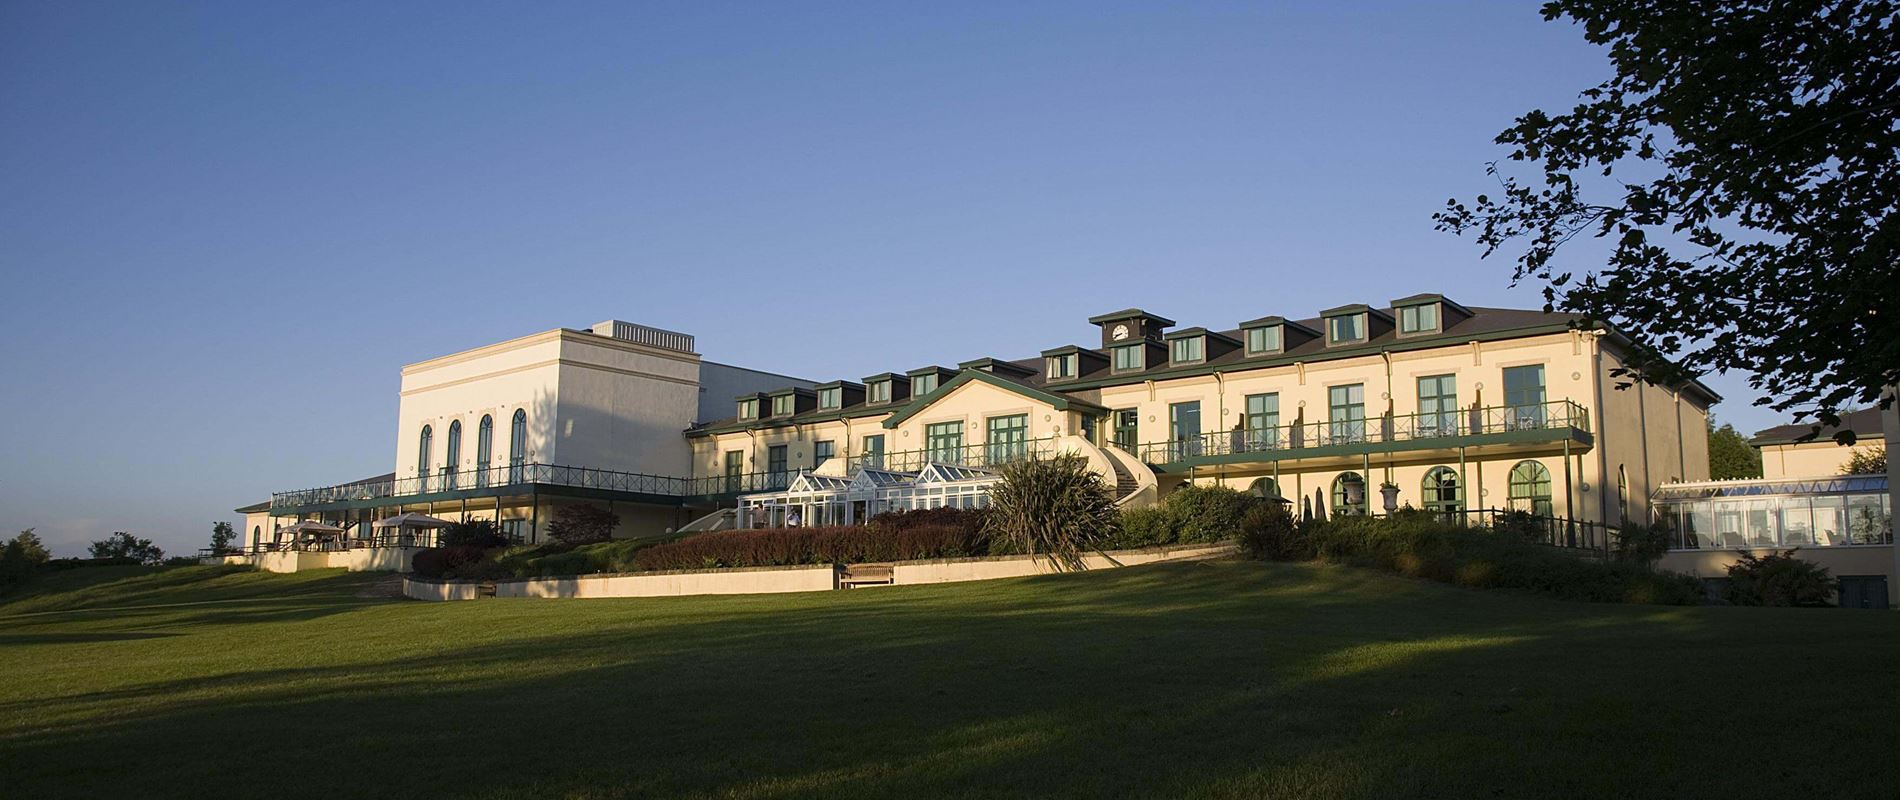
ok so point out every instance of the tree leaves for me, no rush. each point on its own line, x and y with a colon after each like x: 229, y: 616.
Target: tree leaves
x: 1762, y: 237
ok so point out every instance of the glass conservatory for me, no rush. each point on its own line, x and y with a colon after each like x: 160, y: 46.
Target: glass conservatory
x: 1839, y: 511
x: 813, y: 499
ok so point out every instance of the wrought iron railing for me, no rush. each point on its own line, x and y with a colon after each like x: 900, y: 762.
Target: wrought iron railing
x: 990, y: 455
x: 510, y: 475
x: 1552, y: 415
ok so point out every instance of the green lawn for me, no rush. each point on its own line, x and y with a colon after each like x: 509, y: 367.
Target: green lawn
x: 1223, y: 679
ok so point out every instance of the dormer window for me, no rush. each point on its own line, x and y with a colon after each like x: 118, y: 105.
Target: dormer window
x: 880, y: 391
x: 922, y: 385
x: 1062, y: 366
x: 749, y: 408
x: 1346, y: 328
x: 1264, y: 340
x: 782, y: 405
x: 1186, y: 350
x: 1130, y: 358
x: 830, y: 397
x: 1419, y: 319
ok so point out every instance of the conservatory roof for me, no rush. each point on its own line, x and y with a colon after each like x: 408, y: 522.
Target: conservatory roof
x: 1835, y: 484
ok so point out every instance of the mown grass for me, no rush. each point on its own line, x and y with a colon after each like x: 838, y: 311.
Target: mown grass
x: 1223, y: 679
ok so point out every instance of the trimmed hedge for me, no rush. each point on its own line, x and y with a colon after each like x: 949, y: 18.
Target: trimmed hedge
x: 1417, y: 545
x: 777, y: 547
x: 1190, y: 515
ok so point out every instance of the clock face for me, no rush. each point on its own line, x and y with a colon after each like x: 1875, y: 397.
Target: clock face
x: 1119, y: 332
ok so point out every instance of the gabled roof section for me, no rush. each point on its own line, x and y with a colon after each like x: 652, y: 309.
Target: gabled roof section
x: 1060, y: 402
x: 808, y: 482
x: 951, y: 473
x: 1865, y: 424
x: 868, y: 478
x: 1130, y: 313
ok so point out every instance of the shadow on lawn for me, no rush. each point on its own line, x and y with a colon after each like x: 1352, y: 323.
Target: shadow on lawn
x: 1193, y: 679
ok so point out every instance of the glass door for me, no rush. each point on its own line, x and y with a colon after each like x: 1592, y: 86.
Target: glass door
x: 1437, y: 407
x: 1184, y: 428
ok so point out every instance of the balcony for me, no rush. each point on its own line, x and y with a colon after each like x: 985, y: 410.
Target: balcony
x: 522, y: 479
x: 993, y: 455
x: 1551, y: 421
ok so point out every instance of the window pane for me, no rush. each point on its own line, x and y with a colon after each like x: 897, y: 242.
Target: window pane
x: 1263, y: 421
x: 1867, y: 519
x: 1347, y: 412
x: 1761, y: 522
x: 1263, y: 340
x: 1128, y: 357
x: 1346, y: 328
x: 1698, y: 525
x: 1830, y: 519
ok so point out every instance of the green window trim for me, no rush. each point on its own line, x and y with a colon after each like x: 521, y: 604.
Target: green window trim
x: 1186, y: 350
x: 822, y: 451
x: 923, y: 385
x: 1530, y: 488
x: 879, y: 391
x: 749, y: 409
x: 943, y: 442
x: 1346, y: 412
x: 1262, y: 421
x: 1063, y: 366
x: 776, y: 462
x: 1346, y: 328
x: 1419, y: 319
x: 1006, y: 438
x: 873, y: 451
x: 830, y: 398
x: 1264, y: 340
x: 1343, y: 491
x: 1130, y: 357
x: 782, y: 405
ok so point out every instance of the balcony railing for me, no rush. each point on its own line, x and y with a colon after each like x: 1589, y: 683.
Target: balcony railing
x: 992, y: 455
x: 523, y: 475
x: 1552, y: 415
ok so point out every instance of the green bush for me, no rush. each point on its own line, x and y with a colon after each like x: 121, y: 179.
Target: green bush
x: 1208, y: 513
x: 1056, y: 506
x: 1147, y: 526
x: 1417, y: 545
x: 474, y: 533
x: 1779, y: 579
x: 1267, y: 531
x: 1643, y: 544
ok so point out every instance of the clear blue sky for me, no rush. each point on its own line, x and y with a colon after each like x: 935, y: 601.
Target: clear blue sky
x: 224, y: 227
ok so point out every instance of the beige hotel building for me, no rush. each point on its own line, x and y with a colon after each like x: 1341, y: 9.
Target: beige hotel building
x: 1419, y: 402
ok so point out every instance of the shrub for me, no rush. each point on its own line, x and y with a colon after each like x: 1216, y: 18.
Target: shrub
x: 474, y: 533
x: 1054, y: 505
x: 1208, y: 513
x: 124, y: 545
x: 581, y: 524
x: 1522, y: 525
x: 438, y: 562
x: 1267, y: 531
x: 970, y: 519
x: 1643, y: 544
x: 1144, y: 527
x: 774, y: 547
x: 1779, y: 579
x: 1417, y: 545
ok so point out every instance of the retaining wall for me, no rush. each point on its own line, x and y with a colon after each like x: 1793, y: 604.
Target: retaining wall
x: 766, y: 580
x: 425, y: 589
x: 370, y: 559
x: 951, y: 570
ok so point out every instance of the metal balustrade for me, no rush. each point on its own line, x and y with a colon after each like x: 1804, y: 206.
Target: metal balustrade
x: 1552, y: 415
x: 991, y: 455
x: 495, y: 479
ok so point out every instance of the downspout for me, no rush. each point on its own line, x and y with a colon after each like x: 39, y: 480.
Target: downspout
x: 1601, y: 421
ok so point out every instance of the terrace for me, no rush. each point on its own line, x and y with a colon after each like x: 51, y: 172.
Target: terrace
x: 517, y: 480
x: 1553, y: 422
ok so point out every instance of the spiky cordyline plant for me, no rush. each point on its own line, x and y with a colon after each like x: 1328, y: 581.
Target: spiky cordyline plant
x: 1056, y: 506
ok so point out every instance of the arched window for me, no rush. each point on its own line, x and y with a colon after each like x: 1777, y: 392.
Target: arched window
x: 1530, y: 488
x: 257, y: 535
x: 422, y: 456
x: 1264, y: 487
x: 1442, y: 493
x: 484, y: 448
x: 1623, y: 494
x: 454, y: 461
x: 518, y: 446
x: 1349, y: 494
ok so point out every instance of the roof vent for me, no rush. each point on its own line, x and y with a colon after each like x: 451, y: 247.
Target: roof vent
x: 642, y: 334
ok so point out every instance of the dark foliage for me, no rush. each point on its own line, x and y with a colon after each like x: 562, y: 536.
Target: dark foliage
x: 1730, y: 454
x: 1866, y: 461
x: 1418, y: 545
x: 438, y: 562
x: 474, y: 533
x: 850, y: 544
x: 1779, y: 579
x: 1267, y: 531
x: 124, y: 545
x: 222, y: 535
x: 1743, y: 163
x: 1057, y: 506
x: 584, y: 523
x: 82, y: 563
x: 970, y: 519
x: 1643, y: 544
x: 1190, y: 515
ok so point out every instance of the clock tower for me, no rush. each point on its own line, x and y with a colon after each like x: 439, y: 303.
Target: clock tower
x: 1131, y: 326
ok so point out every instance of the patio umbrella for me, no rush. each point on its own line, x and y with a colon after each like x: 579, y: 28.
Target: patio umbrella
x: 311, y: 529
x: 1319, y: 504
x: 403, y: 524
